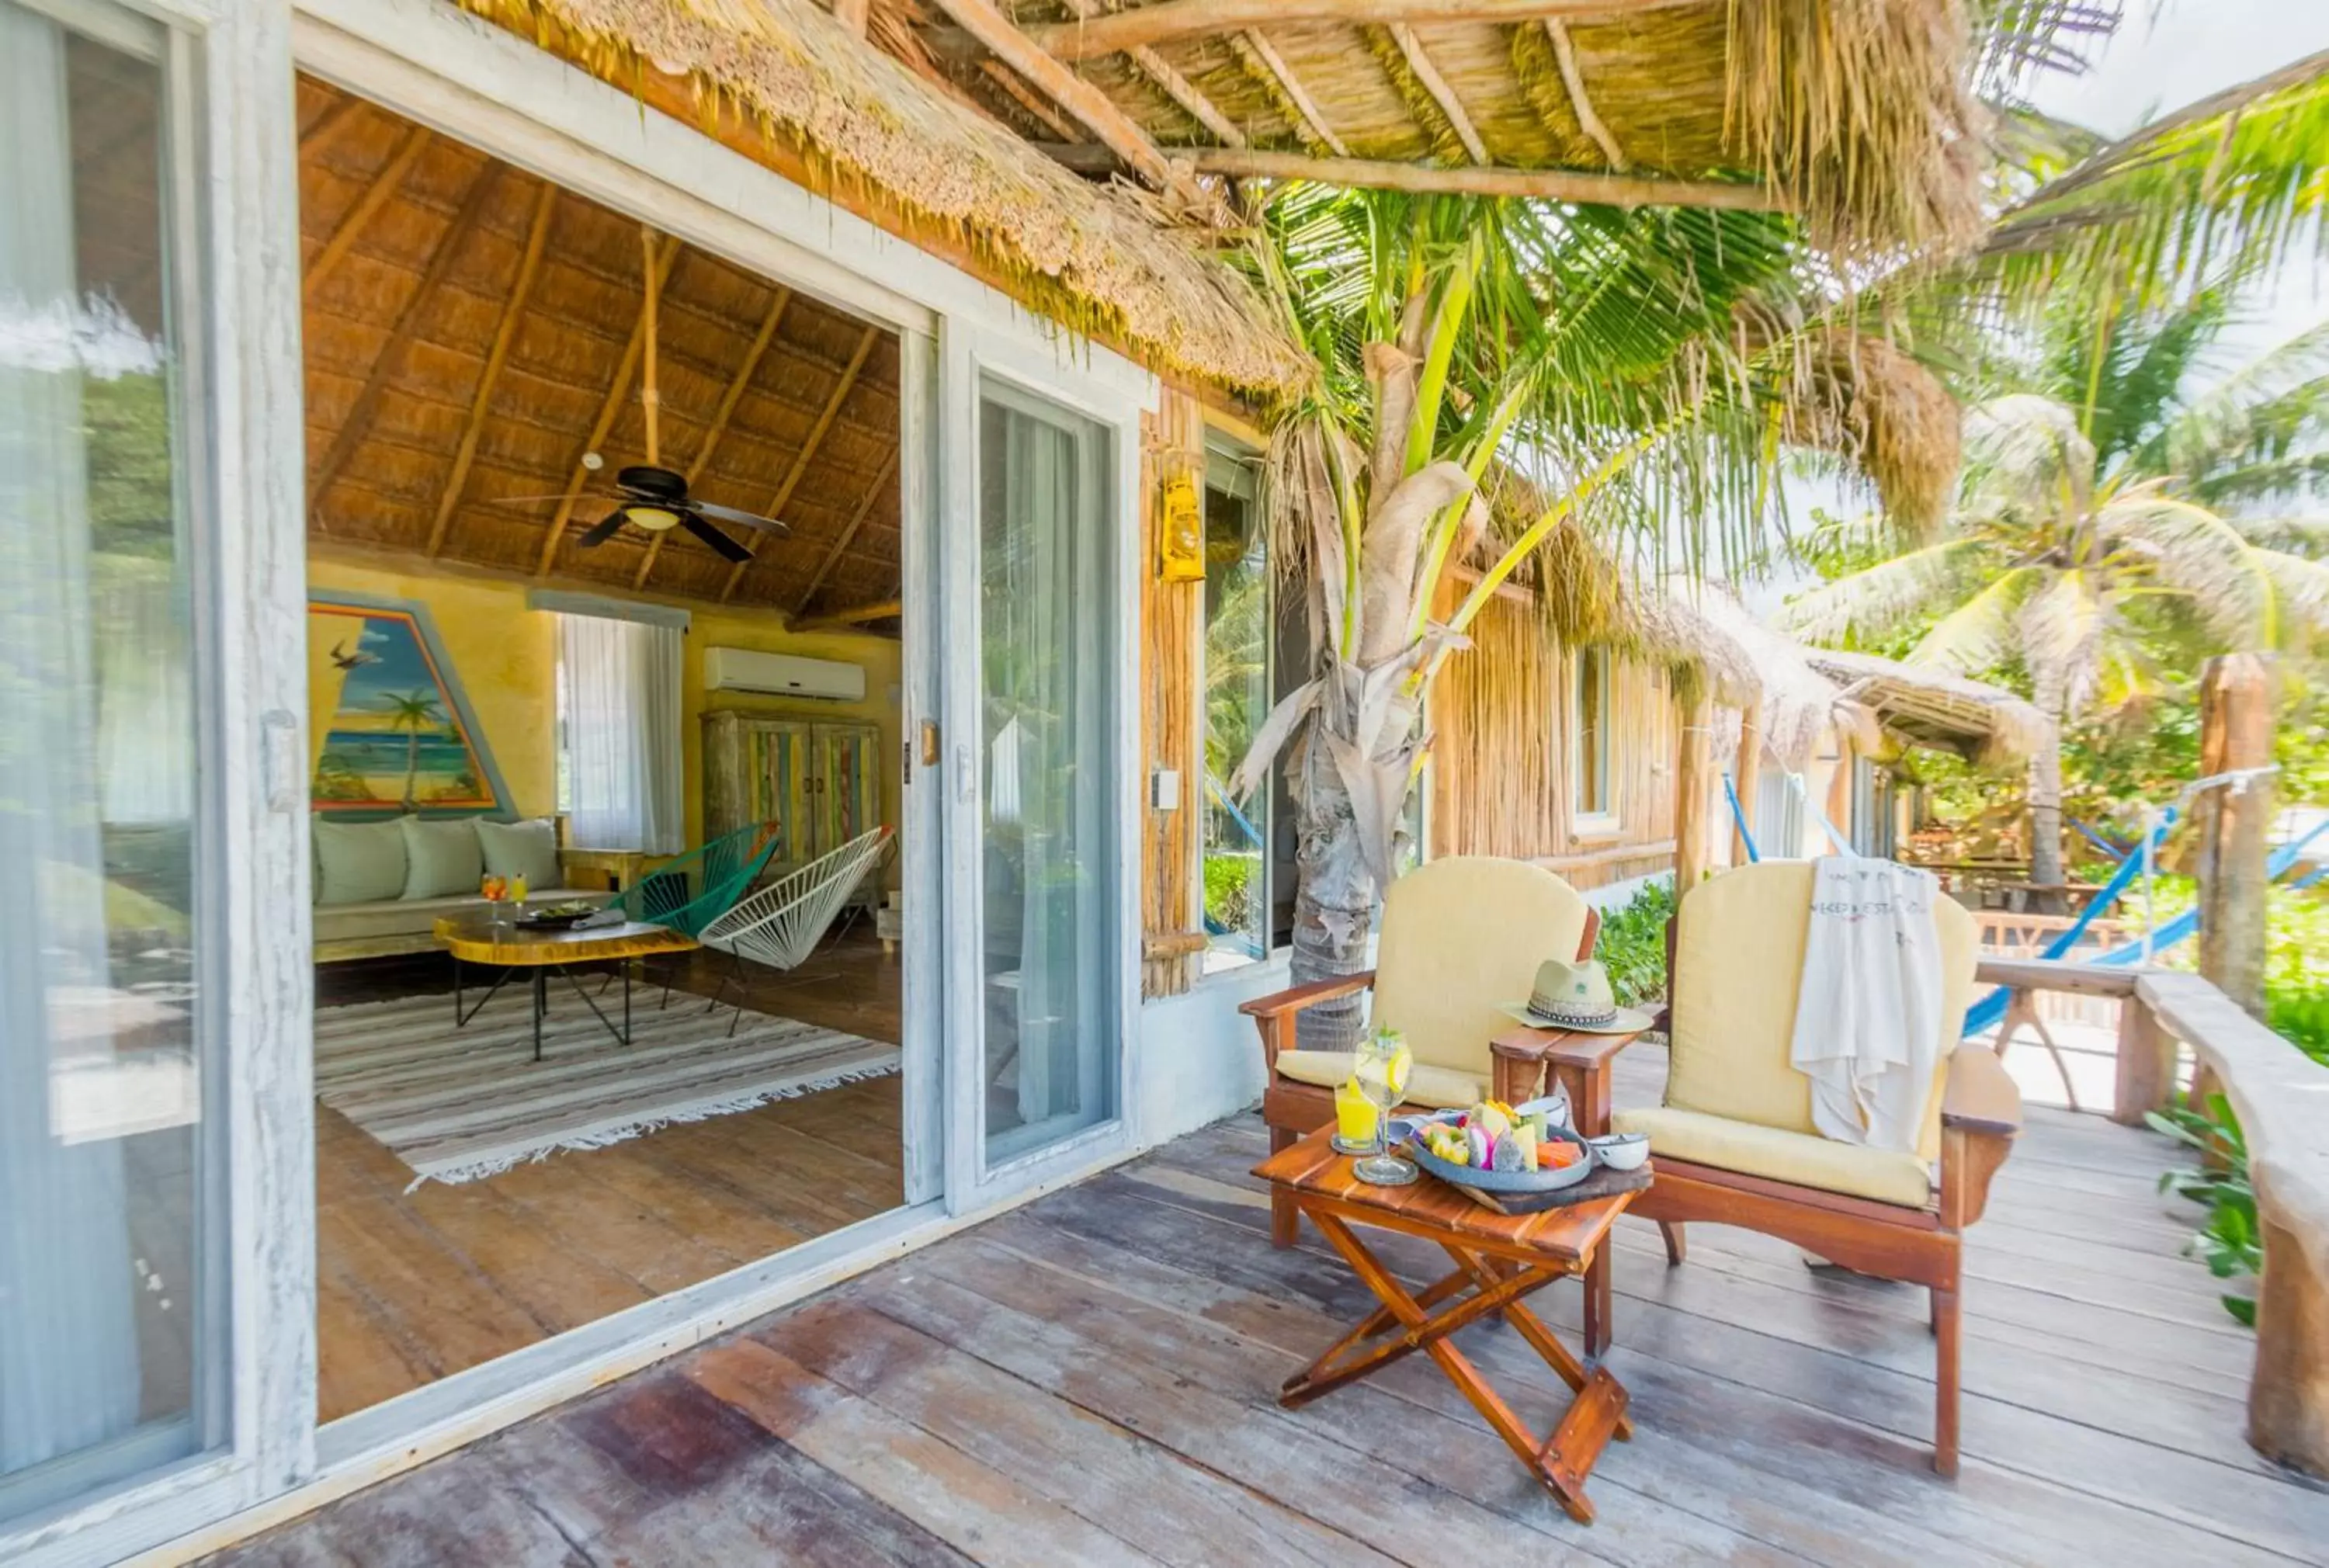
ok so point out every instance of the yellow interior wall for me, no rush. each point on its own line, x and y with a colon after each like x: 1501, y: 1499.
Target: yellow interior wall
x: 505, y: 656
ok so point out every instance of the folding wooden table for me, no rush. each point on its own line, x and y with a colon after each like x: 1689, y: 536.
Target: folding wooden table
x: 1499, y: 1258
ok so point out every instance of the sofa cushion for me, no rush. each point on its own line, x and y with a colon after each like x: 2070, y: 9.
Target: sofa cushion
x: 1797, y: 1159
x: 358, y: 862
x: 441, y: 859
x: 1439, y: 1088
x: 418, y: 918
x: 527, y: 849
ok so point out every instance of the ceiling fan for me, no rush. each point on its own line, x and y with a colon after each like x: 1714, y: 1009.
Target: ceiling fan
x: 648, y: 496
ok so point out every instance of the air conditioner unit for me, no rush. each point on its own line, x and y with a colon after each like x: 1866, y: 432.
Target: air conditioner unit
x: 782, y: 675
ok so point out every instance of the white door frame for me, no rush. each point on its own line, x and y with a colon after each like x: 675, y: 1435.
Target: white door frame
x: 969, y: 357
x: 239, y: 304
x: 444, y: 68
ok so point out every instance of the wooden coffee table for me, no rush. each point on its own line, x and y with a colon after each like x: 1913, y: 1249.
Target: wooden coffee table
x: 541, y: 953
x: 1499, y: 1258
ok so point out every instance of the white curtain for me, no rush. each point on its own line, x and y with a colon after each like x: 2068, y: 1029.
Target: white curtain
x: 68, y: 1358
x: 1041, y: 601
x: 621, y: 680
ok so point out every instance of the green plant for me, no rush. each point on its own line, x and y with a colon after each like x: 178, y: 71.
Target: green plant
x: 2302, y: 1018
x: 1633, y: 946
x: 1228, y: 886
x: 2230, y: 1243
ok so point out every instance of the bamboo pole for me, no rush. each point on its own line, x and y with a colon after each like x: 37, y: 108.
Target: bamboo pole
x: 832, y: 409
x: 1749, y: 775
x: 1564, y: 54
x: 874, y: 492
x: 1584, y: 185
x: 352, y: 224
x: 1443, y: 97
x: 1693, y: 768
x: 1176, y: 19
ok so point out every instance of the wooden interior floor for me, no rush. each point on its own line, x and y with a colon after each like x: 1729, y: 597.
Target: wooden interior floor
x: 1090, y: 1380
x: 414, y: 1286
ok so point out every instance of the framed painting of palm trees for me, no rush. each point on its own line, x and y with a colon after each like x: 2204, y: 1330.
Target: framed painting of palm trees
x: 392, y: 730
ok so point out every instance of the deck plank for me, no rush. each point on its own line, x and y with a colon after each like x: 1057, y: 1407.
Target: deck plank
x: 1091, y: 1379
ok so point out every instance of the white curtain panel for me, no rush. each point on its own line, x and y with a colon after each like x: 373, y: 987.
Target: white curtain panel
x: 623, y: 758
x: 68, y: 1360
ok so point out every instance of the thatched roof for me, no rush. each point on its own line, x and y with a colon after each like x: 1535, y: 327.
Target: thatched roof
x: 1703, y: 629
x: 779, y: 78
x: 471, y: 334
x: 1986, y: 724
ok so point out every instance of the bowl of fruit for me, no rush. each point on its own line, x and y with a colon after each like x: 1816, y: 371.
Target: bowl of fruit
x: 1495, y: 1148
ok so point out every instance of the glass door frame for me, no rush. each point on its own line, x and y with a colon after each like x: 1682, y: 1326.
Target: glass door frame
x: 1113, y: 395
x: 229, y: 70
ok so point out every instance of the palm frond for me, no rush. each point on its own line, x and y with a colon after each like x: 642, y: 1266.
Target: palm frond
x: 2271, y: 413
x: 2060, y: 627
x: 1873, y: 601
x: 2299, y: 535
x: 2300, y: 589
x: 1978, y: 635
x: 2027, y: 460
x: 2192, y: 551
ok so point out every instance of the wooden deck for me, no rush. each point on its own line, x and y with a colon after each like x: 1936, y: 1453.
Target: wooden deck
x: 1089, y: 1380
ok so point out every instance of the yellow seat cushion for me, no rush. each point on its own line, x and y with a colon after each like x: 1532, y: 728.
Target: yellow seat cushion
x: 1739, y: 960
x: 1798, y: 1158
x: 1462, y: 935
x: 1439, y: 1088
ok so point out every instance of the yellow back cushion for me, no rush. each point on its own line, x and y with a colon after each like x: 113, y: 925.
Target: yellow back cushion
x: 1461, y: 935
x: 1739, y: 958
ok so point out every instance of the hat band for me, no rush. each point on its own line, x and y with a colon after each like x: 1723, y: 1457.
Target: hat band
x: 1561, y: 1012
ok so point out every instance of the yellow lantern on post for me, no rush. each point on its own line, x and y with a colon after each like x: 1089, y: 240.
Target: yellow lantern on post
x: 1180, y: 531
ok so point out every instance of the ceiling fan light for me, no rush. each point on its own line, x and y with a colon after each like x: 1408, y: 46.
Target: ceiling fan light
x: 653, y: 519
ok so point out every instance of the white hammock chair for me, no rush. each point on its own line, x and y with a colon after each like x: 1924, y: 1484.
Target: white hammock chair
x: 781, y: 925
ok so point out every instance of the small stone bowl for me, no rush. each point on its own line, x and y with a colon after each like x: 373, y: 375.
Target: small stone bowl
x: 1622, y: 1151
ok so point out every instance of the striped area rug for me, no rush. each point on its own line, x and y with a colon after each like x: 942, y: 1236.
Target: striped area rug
x: 457, y: 1104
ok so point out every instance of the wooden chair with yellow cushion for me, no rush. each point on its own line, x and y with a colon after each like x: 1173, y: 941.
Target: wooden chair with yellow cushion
x: 1734, y: 1142
x: 1459, y: 936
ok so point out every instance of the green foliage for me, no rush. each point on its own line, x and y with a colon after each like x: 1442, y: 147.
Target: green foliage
x: 2230, y: 1243
x: 2295, y: 954
x: 1633, y: 946
x: 2302, y: 1018
x: 1230, y: 884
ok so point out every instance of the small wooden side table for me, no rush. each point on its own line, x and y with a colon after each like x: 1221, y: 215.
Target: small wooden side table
x: 1579, y: 1064
x: 1499, y: 1258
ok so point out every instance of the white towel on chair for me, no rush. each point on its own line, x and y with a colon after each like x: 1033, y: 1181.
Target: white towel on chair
x: 1868, y: 1013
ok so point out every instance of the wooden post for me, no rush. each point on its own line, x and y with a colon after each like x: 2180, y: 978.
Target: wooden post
x: 1747, y: 777
x: 2146, y: 1064
x: 2235, y: 725
x: 1693, y: 765
x: 2288, y: 1397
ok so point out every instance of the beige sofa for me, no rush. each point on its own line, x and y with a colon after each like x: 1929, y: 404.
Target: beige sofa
x: 436, y: 880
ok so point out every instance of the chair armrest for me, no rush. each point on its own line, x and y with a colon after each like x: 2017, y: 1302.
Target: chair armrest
x: 1980, y: 1096
x: 1294, y: 998
x: 1579, y: 1064
x: 1275, y: 1015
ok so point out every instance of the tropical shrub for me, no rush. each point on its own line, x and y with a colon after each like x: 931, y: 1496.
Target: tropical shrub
x: 2230, y: 1243
x: 1633, y: 946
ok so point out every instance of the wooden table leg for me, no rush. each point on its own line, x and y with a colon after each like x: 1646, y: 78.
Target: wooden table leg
x: 1560, y: 1462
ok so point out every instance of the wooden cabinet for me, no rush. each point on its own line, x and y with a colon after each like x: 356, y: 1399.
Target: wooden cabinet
x: 820, y: 782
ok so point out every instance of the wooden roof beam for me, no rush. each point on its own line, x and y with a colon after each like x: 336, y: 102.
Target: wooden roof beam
x: 720, y: 418
x: 1564, y: 53
x: 504, y: 335
x: 1309, y: 118
x: 1427, y: 77
x: 1188, y: 95
x: 825, y: 418
x: 357, y: 424
x: 352, y: 223
x: 1036, y: 105
x: 853, y: 15
x: 1585, y: 185
x: 1119, y: 31
x: 874, y: 492
x: 619, y: 390
x: 857, y: 615
x: 1092, y: 107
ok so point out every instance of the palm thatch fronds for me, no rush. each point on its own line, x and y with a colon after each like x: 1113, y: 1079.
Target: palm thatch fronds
x: 865, y: 128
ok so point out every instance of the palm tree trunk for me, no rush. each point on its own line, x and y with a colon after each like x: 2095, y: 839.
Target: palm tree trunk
x: 2046, y: 801
x: 411, y: 767
x: 1333, y: 900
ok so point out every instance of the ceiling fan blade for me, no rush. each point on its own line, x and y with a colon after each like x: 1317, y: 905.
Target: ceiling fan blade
x: 741, y: 519
x: 714, y: 537
x: 601, y: 533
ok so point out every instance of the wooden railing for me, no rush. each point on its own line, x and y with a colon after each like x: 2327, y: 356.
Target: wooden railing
x: 2282, y: 1099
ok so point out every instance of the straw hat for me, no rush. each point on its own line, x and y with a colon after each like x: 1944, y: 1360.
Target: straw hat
x: 1576, y: 996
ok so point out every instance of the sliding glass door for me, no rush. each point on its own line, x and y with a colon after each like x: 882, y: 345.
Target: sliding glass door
x: 1045, y: 774
x: 106, y: 1282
